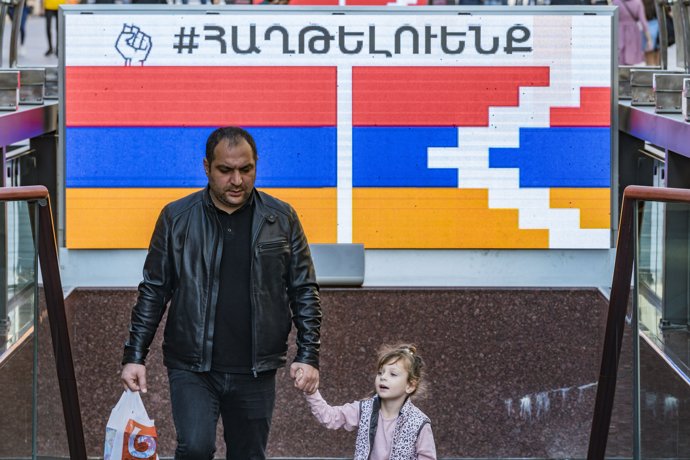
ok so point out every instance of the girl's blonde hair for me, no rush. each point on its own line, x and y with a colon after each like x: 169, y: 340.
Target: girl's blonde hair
x: 413, y: 363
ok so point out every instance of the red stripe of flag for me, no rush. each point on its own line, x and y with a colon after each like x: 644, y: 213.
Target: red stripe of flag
x: 594, y: 110
x: 200, y: 96
x: 437, y: 96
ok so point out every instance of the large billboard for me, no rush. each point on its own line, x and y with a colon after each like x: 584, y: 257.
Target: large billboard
x: 424, y: 127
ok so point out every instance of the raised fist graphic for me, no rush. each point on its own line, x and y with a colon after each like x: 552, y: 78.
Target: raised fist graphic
x: 133, y: 44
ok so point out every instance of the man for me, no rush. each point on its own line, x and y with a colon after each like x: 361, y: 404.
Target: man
x: 235, y: 266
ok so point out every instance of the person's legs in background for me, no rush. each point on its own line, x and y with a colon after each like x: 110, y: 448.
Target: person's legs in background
x: 22, y: 26
x: 652, y: 57
x: 50, y: 15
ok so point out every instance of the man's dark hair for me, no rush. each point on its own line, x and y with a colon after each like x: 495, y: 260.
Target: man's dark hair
x: 234, y: 135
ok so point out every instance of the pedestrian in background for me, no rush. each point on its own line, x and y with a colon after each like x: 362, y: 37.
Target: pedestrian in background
x: 632, y: 21
x: 51, y: 13
x: 651, y: 56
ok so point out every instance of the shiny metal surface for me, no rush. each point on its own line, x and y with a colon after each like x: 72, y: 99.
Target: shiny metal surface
x: 642, y: 96
x: 667, y: 101
x: 14, y: 37
x: 662, y: 7
x: 684, y: 101
x: 28, y: 122
x: 31, y: 88
x: 668, y: 131
x: 679, y: 11
x: 642, y: 84
x: 4, y: 5
x: 50, y: 90
x: 9, y: 89
x: 669, y: 82
x: 668, y: 92
x: 641, y: 76
x: 9, y: 79
x: 624, y: 75
x: 9, y: 99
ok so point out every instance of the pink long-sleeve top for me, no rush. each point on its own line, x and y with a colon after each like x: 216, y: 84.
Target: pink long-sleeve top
x: 347, y: 416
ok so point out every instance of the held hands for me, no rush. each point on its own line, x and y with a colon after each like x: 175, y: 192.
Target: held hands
x: 134, y: 377
x: 306, y: 377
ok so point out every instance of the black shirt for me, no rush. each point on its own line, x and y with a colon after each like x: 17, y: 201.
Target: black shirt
x: 232, y: 340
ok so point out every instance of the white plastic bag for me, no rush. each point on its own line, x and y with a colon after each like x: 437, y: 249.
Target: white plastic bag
x: 130, y: 434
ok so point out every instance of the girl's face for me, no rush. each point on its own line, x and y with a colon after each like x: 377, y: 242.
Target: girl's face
x: 392, y: 381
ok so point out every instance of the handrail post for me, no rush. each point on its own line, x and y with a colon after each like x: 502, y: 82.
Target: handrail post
x: 16, y: 32
x: 5, y: 322
x: 52, y: 285
x: 660, y: 6
x: 615, y: 323
x: 4, y: 4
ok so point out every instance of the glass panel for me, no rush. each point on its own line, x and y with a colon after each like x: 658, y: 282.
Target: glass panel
x: 649, y: 258
x: 17, y: 245
x: 663, y: 275
x: 17, y: 344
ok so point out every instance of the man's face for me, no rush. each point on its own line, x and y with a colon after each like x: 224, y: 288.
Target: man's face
x: 231, y: 175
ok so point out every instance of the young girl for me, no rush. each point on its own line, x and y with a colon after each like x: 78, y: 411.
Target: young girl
x: 390, y: 426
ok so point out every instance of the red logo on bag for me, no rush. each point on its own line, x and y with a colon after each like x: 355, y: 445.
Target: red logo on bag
x: 139, y: 442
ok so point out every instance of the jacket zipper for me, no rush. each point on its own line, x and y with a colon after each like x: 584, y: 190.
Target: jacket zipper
x: 210, y: 285
x: 253, y: 298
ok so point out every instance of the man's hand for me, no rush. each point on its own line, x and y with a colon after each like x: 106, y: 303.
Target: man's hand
x: 134, y: 377
x: 306, y: 377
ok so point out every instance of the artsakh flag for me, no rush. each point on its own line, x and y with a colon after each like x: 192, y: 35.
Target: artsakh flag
x: 399, y: 200
x: 135, y: 138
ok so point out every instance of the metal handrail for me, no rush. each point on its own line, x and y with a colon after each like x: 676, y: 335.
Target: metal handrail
x: 55, y: 305
x: 618, y: 302
x: 661, y: 7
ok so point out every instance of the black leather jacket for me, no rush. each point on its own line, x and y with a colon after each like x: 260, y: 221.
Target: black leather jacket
x: 182, y: 268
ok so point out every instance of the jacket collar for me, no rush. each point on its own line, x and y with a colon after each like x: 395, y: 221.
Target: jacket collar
x: 261, y: 212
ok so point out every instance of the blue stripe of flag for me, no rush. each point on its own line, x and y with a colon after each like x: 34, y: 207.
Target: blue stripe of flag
x: 559, y: 157
x: 397, y: 157
x: 172, y: 157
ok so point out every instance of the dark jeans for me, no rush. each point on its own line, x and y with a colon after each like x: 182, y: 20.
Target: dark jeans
x: 243, y: 401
